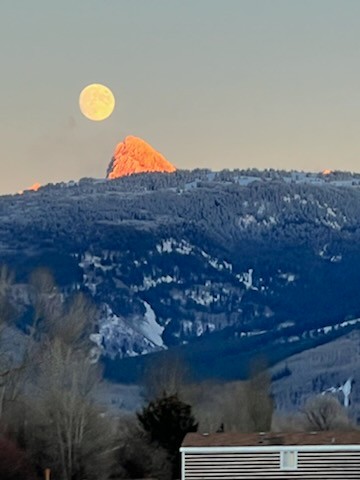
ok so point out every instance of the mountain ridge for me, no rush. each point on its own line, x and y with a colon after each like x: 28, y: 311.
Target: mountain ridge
x: 209, y: 263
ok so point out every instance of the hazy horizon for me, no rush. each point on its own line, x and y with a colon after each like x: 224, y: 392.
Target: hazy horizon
x: 208, y: 83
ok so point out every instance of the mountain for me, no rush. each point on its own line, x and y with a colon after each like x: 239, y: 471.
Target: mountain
x: 134, y: 155
x: 217, y: 266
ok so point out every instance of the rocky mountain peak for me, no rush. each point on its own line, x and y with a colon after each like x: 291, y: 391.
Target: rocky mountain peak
x: 134, y: 155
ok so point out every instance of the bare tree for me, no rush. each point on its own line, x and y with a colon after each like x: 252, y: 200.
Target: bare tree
x: 259, y: 403
x: 72, y: 320
x: 324, y: 412
x: 12, y: 365
x: 76, y: 437
x: 7, y: 278
x: 168, y: 376
x: 209, y: 402
x: 137, y: 456
x: 45, y: 299
x: 242, y: 406
x: 233, y: 404
x: 74, y: 323
x: 63, y: 429
x: 219, y: 406
x: 67, y: 431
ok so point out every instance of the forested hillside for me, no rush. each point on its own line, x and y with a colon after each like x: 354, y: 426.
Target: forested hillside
x: 220, y: 266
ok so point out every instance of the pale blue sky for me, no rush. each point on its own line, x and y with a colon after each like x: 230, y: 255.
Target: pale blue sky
x: 209, y: 83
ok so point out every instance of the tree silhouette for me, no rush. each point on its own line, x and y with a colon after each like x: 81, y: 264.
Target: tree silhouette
x: 167, y: 420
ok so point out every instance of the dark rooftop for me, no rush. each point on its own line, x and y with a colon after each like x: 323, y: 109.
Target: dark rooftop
x: 268, y: 439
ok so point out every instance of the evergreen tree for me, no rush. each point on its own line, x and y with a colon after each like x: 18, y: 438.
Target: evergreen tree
x: 167, y: 420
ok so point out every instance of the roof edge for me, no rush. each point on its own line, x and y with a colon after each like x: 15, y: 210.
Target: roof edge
x: 273, y: 448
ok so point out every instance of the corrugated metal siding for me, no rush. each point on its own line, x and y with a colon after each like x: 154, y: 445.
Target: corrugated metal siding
x: 255, y: 466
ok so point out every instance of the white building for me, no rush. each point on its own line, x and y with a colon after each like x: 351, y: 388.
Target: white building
x: 271, y: 456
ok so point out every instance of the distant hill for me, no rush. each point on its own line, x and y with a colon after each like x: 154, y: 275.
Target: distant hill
x: 220, y: 266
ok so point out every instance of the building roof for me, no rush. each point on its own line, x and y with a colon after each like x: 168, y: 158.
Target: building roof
x: 271, y: 439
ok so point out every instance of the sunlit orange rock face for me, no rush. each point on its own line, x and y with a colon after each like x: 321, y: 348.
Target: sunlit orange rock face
x: 326, y: 172
x: 35, y: 187
x: 134, y: 155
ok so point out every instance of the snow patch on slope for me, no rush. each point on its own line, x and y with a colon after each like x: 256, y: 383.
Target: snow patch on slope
x: 150, y: 328
x: 171, y: 245
x: 127, y: 337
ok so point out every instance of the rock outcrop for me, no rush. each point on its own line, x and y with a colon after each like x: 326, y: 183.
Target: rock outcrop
x: 134, y: 155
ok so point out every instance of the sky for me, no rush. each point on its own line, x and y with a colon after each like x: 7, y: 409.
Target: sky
x: 209, y: 83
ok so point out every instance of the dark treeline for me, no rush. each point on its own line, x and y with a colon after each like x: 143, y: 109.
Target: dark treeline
x: 217, y: 201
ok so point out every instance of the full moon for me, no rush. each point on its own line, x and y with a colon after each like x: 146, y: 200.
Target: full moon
x: 96, y: 102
